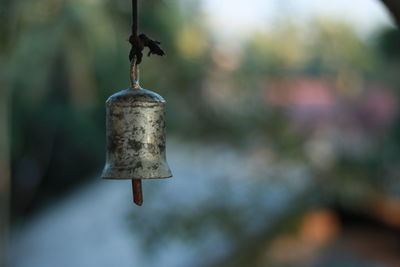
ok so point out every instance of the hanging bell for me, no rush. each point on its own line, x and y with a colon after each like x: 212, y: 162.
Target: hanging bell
x: 135, y: 123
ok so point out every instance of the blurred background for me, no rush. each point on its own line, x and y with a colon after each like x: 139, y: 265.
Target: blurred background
x: 283, y: 134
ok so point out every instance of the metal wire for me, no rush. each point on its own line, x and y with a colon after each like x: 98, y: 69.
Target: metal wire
x: 134, y: 71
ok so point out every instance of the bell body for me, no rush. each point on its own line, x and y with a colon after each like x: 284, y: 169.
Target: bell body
x: 135, y: 136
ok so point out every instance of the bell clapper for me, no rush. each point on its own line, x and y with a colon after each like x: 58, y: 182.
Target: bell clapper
x: 137, y: 191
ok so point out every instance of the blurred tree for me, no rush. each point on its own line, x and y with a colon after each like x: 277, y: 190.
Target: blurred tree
x: 6, y: 11
x: 55, y: 106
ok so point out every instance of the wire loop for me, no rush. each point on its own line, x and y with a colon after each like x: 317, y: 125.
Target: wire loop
x: 134, y: 74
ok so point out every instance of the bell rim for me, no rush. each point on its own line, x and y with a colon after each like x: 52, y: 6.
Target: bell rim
x: 133, y: 178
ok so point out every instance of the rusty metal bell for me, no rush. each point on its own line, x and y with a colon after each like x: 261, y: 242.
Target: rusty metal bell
x: 135, y: 122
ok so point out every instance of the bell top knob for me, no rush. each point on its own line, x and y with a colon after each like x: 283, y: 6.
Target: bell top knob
x: 133, y: 97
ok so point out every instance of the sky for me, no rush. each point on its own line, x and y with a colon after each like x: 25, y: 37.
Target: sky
x: 233, y: 18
